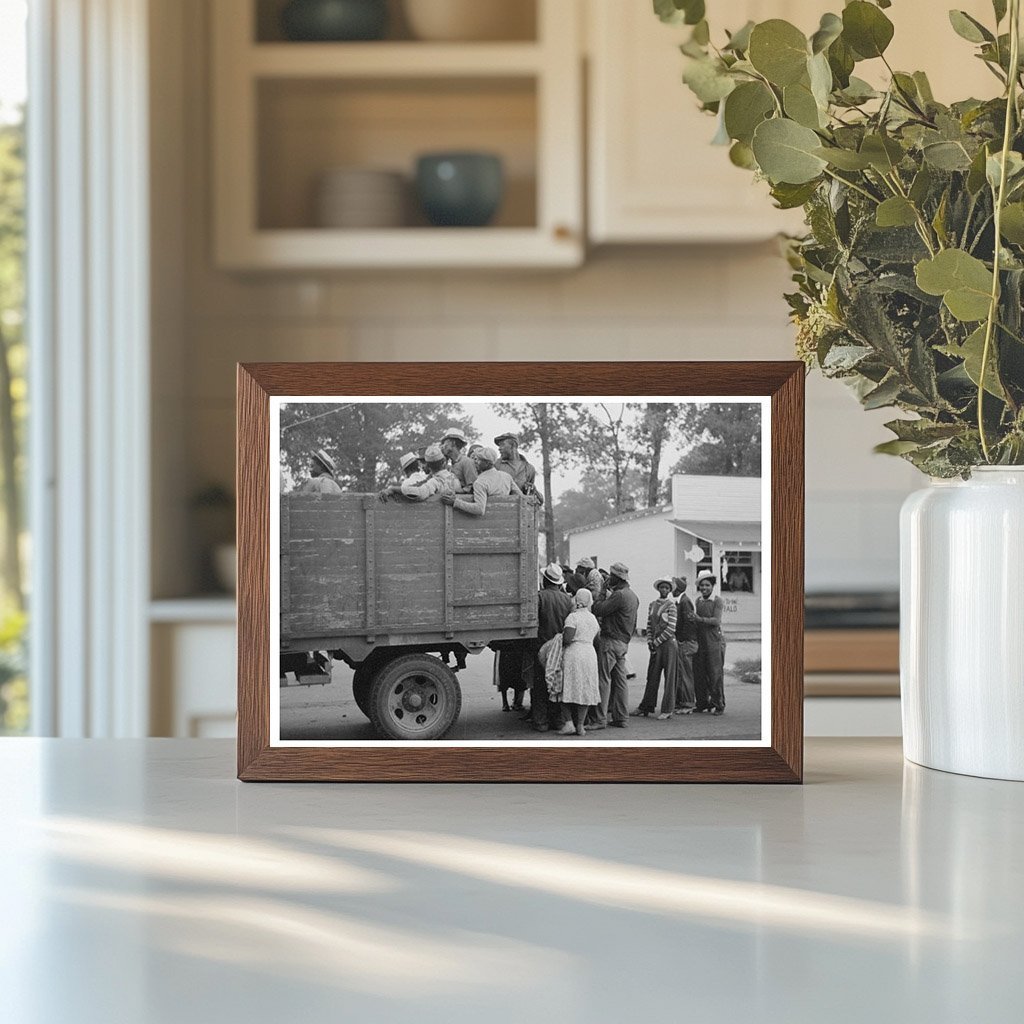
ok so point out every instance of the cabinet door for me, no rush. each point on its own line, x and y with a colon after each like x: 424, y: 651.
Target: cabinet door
x: 653, y: 174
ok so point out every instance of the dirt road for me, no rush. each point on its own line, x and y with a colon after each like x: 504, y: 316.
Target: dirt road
x: 329, y: 712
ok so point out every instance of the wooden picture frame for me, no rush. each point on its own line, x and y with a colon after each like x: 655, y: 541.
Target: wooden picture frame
x: 780, y: 759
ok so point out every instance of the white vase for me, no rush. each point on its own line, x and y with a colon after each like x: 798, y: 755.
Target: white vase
x: 962, y: 624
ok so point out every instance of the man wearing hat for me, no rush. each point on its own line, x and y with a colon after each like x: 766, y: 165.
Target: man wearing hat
x: 617, y: 612
x: 517, y: 467
x: 489, y: 483
x: 709, y: 665
x: 553, y: 607
x: 452, y: 446
x: 686, y: 641
x: 321, y: 475
x: 439, y: 478
x: 661, y: 642
x: 590, y: 577
x: 411, y: 473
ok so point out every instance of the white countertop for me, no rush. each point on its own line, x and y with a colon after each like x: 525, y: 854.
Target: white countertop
x: 143, y: 884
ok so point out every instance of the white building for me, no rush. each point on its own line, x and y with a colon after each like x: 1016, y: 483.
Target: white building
x: 713, y: 522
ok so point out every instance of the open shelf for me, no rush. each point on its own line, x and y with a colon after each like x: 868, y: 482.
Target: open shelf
x: 308, y: 127
x: 393, y: 60
x: 520, y: 17
x: 286, y: 114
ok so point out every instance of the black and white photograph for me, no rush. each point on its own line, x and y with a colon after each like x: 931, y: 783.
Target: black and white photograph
x: 540, y: 571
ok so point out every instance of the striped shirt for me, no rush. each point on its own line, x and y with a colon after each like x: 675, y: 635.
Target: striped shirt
x: 661, y: 621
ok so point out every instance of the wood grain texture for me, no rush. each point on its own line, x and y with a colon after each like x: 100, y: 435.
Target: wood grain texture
x: 782, y: 762
x: 852, y: 650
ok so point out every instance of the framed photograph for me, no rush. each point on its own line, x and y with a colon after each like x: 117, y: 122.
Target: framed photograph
x: 520, y: 572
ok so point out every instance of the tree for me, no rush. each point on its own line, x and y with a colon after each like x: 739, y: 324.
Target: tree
x: 725, y: 439
x: 610, y: 443
x: 651, y: 433
x: 366, y: 439
x: 554, y: 427
x: 13, y: 396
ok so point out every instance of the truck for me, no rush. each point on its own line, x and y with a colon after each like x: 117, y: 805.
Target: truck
x: 394, y: 589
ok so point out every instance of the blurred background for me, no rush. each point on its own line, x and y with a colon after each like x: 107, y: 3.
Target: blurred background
x: 248, y: 180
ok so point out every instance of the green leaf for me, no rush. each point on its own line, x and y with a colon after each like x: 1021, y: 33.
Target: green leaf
x: 866, y: 29
x: 858, y: 91
x: 789, y: 197
x: 785, y: 152
x: 939, y: 220
x: 841, y: 60
x: 963, y: 281
x: 883, y: 153
x: 924, y: 88
x: 676, y: 12
x: 844, y: 159
x: 739, y: 41
x: 778, y: 50
x: 745, y: 108
x: 707, y: 80
x: 1012, y: 223
x: 946, y: 156
x: 820, y: 76
x: 830, y: 28
x: 968, y: 28
x: 896, y: 212
x: 923, y: 431
x: 800, y: 105
x: 895, y: 447
x: 976, y: 174
x: 971, y: 352
x: 921, y: 185
x: 742, y: 155
x: 1014, y: 169
x: 885, y: 394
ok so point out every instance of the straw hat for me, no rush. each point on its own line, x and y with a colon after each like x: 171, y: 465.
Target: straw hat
x: 553, y: 574
x: 325, y: 460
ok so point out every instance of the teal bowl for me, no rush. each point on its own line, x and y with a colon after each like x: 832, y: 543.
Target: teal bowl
x: 462, y: 190
x: 334, y: 21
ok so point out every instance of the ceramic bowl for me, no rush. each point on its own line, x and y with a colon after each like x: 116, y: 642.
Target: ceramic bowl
x: 359, y: 197
x: 460, y: 189
x: 334, y: 20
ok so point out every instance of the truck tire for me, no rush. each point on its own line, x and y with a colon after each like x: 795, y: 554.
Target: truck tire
x: 414, y: 697
x: 362, y: 684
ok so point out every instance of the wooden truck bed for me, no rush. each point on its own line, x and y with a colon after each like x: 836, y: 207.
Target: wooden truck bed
x: 358, y: 574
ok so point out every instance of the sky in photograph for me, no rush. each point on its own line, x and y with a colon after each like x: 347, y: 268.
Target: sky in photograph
x: 12, y: 56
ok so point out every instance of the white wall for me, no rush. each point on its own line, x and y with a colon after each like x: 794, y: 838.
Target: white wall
x: 645, y: 545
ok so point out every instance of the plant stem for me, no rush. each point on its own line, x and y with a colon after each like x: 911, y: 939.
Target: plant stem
x: 993, y: 309
x: 922, y: 225
x: 855, y: 187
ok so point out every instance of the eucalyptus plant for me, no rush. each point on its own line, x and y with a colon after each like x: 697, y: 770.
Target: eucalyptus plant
x: 909, y: 280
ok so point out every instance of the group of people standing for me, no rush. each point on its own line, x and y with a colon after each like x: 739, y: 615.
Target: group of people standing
x: 578, y: 666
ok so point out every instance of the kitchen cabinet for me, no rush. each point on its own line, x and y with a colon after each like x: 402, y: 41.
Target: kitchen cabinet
x: 287, y: 113
x: 653, y: 175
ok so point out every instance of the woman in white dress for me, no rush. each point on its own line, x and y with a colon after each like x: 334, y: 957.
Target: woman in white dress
x: 580, y: 689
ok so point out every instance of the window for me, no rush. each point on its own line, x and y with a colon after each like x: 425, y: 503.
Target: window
x: 14, y: 706
x: 737, y: 575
